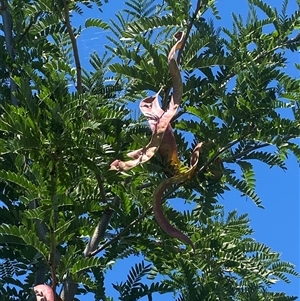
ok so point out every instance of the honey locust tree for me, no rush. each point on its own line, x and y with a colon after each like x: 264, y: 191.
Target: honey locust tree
x: 70, y: 210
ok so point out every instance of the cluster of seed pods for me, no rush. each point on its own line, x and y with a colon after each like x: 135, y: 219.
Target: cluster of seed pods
x: 163, y: 141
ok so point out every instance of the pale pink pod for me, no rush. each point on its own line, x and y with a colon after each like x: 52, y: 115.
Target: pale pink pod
x: 44, y: 292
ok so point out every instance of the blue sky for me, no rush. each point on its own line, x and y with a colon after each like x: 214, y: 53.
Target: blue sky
x: 278, y: 224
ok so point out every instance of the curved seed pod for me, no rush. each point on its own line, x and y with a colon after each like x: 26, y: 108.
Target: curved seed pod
x: 158, y: 193
x: 163, y: 140
x: 159, y: 120
x: 175, y: 73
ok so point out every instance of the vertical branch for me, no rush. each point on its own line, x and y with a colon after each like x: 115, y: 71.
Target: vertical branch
x: 41, y: 229
x: 188, y: 30
x: 8, y: 34
x: 53, y: 222
x: 53, y: 260
x: 70, y: 287
x: 74, y: 46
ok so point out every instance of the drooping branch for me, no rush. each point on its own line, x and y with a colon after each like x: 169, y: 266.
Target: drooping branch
x: 100, y: 230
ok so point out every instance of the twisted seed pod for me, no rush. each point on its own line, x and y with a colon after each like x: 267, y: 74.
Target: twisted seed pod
x: 163, y: 140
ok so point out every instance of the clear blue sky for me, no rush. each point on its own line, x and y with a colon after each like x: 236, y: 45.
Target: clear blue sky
x: 278, y: 225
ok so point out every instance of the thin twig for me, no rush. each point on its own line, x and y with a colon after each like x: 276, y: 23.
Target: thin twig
x: 33, y: 20
x: 188, y: 30
x: 217, y: 154
x: 223, y: 149
x: 41, y: 229
x: 101, y: 187
x: 232, y: 74
x: 145, y: 185
x: 246, y: 151
x: 74, y: 46
x: 54, y: 217
x: 250, y: 149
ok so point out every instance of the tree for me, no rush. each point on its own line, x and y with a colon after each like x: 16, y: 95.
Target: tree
x: 67, y: 213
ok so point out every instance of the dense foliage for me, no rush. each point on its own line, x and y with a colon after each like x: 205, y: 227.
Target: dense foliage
x: 66, y: 218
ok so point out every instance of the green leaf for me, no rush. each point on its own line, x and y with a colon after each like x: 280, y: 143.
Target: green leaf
x: 22, y: 236
x: 93, y: 22
x: 86, y: 263
x: 20, y: 180
x: 244, y: 187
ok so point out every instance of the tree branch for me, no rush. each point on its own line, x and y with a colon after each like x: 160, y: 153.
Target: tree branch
x: 8, y: 34
x: 246, y: 151
x: 293, y: 40
x: 218, y: 153
x: 100, y: 229
x: 74, y: 46
x: 52, y: 260
x: 42, y: 266
x: 134, y: 222
x: 69, y: 288
x: 232, y: 74
x: 101, y: 187
x: 41, y: 228
x: 33, y: 20
x: 188, y: 30
x: 250, y: 149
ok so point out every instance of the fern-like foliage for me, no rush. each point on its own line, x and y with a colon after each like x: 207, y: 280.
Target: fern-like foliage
x: 134, y: 289
x: 66, y: 218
